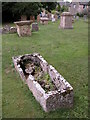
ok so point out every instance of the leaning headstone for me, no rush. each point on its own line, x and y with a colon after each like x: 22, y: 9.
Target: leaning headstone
x: 13, y: 30
x: 35, y: 27
x: 66, y: 20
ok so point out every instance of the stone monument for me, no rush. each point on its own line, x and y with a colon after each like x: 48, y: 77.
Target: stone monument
x: 32, y: 18
x: 44, y: 20
x: 23, y: 28
x: 35, y: 27
x: 66, y: 20
x: 38, y: 18
x: 52, y: 95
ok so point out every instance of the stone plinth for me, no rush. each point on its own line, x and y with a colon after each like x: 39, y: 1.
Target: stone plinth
x: 23, y: 28
x: 44, y: 20
x: 66, y: 20
x: 35, y: 27
x: 62, y: 97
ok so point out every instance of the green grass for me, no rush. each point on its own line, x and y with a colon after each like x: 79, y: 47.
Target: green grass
x: 0, y: 76
x: 66, y: 50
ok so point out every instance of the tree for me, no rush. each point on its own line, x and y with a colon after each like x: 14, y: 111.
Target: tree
x: 58, y: 8
x: 49, y: 5
x: 64, y: 8
x: 12, y: 11
x: 7, y: 14
x: 31, y: 8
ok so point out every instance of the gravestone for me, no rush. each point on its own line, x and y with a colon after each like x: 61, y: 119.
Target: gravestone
x: 5, y: 29
x: 32, y: 18
x: 35, y: 27
x: 38, y: 18
x: 13, y: 30
x: 23, y: 28
x: 66, y: 20
x: 85, y: 17
x: 8, y: 29
x: 43, y: 13
x: 77, y: 17
x: 49, y: 15
x: 53, y: 18
x: 23, y: 18
x: 44, y: 20
x: 56, y: 17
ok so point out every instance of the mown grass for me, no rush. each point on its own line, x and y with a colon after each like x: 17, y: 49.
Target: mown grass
x: 66, y: 50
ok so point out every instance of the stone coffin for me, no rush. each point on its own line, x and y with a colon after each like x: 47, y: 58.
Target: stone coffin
x: 23, y: 28
x: 51, y: 100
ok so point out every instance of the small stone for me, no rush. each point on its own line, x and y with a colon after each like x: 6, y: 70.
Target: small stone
x: 47, y: 86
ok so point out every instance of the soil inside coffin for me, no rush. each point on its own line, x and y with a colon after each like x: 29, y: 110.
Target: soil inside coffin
x: 30, y: 67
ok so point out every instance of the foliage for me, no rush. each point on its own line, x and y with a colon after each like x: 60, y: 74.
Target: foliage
x: 13, y: 10
x: 53, y: 11
x: 49, y: 5
x: 58, y: 8
x: 28, y: 9
x: 80, y: 14
x: 7, y: 14
x: 64, y: 8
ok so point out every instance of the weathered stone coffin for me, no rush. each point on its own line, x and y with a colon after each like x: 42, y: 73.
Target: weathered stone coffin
x: 52, y: 100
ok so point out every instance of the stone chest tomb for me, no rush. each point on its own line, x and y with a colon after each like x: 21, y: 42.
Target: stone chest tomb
x: 44, y: 20
x: 49, y: 88
x: 23, y: 28
x: 66, y: 20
